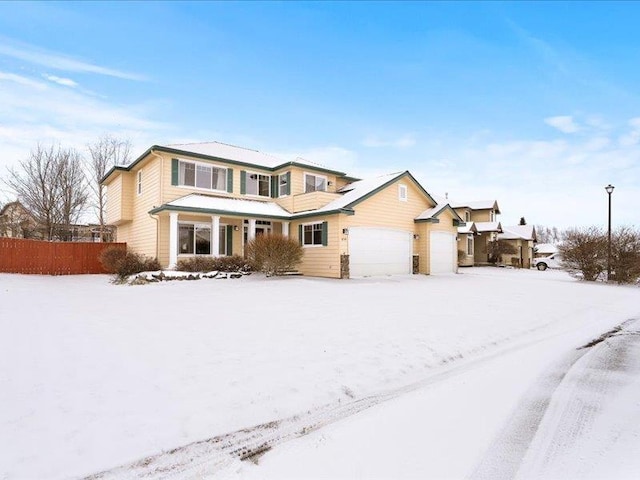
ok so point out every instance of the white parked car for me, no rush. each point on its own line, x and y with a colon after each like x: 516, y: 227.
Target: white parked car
x: 552, y: 261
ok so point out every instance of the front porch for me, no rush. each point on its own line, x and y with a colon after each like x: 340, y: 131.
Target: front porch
x: 186, y: 235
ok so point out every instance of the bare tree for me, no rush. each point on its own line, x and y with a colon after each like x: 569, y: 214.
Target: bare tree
x: 72, y: 188
x: 106, y: 152
x: 51, y: 186
x: 584, y: 252
x: 625, y: 243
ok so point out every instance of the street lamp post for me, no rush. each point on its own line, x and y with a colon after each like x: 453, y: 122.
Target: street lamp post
x: 609, y: 189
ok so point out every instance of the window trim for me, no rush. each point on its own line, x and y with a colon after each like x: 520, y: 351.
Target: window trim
x: 139, y: 182
x: 248, y: 173
x: 315, y: 175
x: 403, y: 192
x: 470, y: 238
x: 194, y: 225
x: 195, y: 180
x: 313, y: 245
x: 287, y: 177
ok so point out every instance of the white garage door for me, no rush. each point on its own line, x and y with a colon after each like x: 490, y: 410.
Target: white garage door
x: 379, y: 251
x: 443, y: 252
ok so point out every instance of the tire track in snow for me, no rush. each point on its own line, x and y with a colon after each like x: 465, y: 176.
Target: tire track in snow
x: 214, y: 455
x: 560, y: 408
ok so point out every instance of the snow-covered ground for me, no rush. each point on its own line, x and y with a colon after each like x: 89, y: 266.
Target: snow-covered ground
x: 94, y: 375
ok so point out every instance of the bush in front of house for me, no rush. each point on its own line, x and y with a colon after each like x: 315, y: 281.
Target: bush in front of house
x: 274, y: 254
x: 123, y: 263
x: 233, y: 263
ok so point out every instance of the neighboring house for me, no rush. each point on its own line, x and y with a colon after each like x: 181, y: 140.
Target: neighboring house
x: 177, y: 201
x: 523, y: 239
x: 544, y: 250
x: 17, y: 222
x: 481, y: 227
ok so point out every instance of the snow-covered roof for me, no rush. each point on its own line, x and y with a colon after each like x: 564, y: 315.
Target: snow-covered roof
x: 238, y: 206
x: 239, y: 154
x: 356, y: 190
x: 469, y: 227
x: 546, y: 248
x: 477, y: 205
x: 435, y: 211
x: 483, y: 227
x: 518, y: 232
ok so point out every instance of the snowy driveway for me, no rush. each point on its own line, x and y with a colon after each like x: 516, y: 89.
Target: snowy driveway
x: 94, y: 376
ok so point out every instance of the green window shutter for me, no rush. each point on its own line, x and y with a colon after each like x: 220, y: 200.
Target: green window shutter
x: 274, y: 186
x: 325, y: 233
x: 174, y: 171
x: 243, y: 182
x: 300, y: 234
x: 229, y: 239
x: 230, y: 180
x: 288, y: 183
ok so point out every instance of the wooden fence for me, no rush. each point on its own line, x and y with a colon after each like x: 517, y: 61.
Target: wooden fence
x: 18, y: 255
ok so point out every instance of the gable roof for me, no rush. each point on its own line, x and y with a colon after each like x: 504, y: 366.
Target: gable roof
x: 486, y: 227
x: 359, y: 191
x: 218, y: 151
x: 477, y: 205
x: 468, y: 227
x: 518, y: 232
x: 432, y: 214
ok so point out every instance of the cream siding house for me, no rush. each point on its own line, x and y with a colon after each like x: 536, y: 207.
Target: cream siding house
x: 481, y: 227
x: 178, y: 201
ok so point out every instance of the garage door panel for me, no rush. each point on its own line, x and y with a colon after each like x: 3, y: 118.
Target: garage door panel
x: 443, y: 255
x: 379, y: 251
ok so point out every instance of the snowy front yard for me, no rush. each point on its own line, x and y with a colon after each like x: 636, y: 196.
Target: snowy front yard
x: 94, y: 375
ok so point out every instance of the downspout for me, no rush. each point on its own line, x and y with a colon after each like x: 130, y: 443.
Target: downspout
x: 155, y: 217
x: 160, y: 197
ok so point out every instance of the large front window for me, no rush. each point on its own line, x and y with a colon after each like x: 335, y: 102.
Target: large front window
x: 195, y: 239
x: 258, y: 184
x: 314, y: 183
x: 203, y: 176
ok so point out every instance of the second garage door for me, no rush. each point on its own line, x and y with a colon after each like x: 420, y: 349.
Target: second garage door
x: 379, y: 251
x: 443, y: 253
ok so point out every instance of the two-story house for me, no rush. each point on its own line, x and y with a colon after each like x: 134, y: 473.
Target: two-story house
x: 178, y: 201
x: 481, y: 227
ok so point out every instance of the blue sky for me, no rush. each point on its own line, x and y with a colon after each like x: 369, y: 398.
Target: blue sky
x: 533, y: 104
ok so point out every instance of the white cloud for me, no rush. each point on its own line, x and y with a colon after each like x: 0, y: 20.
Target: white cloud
x: 67, y: 82
x: 36, y: 111
x: 564, y: 123
x: 58, y: 61
x: 405, y: 141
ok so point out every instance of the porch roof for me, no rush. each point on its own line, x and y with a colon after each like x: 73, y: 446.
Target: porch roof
x: 225, y: 206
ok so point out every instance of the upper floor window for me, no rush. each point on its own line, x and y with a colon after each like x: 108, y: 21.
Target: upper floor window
x: 314, y: 183
x: 467, y: 216
x: 492, y: 216
x: 283, y: 184
x: 402, y: 193
x: 258, y: 184
x: 199, y: 175
x: 139, y: 185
